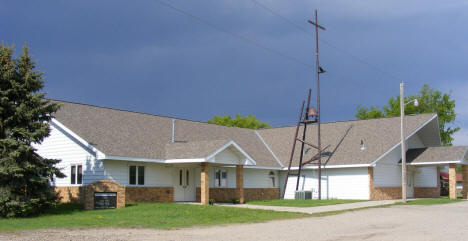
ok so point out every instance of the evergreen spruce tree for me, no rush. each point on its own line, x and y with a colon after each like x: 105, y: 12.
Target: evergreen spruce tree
x: 24, y: 120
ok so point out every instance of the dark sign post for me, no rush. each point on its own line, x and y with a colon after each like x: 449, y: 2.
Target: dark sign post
x: 104, y: 200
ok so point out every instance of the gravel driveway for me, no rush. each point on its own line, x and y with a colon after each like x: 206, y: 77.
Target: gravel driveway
x: 438, y: 222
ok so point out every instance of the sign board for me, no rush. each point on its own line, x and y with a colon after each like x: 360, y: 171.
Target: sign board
x: 104, y: 200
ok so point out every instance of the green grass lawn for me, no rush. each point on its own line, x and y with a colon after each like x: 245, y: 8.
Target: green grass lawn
x: 143, y: 215
x: 430, y: 201
x: 301, y: 203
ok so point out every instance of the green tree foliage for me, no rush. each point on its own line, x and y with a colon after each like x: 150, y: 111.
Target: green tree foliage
x: 430, y: 101
x: 24, y: 120
x: 239, y: 121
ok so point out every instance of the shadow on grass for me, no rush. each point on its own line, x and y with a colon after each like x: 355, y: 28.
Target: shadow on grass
x: 65, y: 208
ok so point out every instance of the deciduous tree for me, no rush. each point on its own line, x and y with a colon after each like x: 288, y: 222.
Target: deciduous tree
x: 239, y: 121
x: 430, y: 101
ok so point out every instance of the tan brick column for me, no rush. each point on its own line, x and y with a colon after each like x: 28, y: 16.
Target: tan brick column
x: 370, y: 171
x: 465, y: 181
x: 205, y: 184
x: 240, y: 183
x: 452, y: 181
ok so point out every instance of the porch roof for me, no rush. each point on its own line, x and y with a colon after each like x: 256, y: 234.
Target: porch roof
x: 441, y: 155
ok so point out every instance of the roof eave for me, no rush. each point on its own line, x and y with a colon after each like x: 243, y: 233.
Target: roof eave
x: 406, y: 139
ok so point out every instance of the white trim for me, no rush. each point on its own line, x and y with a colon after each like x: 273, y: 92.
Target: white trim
x: 57, y: 124
x: 258, y: 167
x: 431, y: 163
x: 269, y: 149
x: 331, y: 166
x: 131, y: 159
x: 192, y: 160
x: 265, y: 167
x: 209, y: 158
x: 226, y: 146
x: 407, y: 137
x: 438, y: 132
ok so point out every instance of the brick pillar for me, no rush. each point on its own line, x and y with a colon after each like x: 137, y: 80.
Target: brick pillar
x: 240, y: 183
x: 370, y: 171
x: 205, y: 184
x: 465, y: 181
x: 452, y: 181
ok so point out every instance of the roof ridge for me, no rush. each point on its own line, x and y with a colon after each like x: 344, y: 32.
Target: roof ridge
x: 145, y: 113
x: 345, y: 121
x: 201, y: 122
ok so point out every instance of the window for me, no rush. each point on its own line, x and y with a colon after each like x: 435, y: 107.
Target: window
x: 79, y: 176
x: 181, y: 177
x: 141, y: 175
x: 76, y: 176
x: 220, y: 178
x: 272, y: 178
x: 136, y: 175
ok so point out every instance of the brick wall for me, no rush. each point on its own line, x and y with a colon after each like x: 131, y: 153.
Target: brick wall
x: 261, y: 193
x: 149, y: 194
x: 423, y: 192
x: 382, y: 193
x: 465, y: 181
x: 387, y: 193
x: 227, y: 194
x: 104, y: 186
x: 73, y: 194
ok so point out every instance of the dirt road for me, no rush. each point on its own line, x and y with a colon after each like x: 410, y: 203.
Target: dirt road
x: 439, y: 222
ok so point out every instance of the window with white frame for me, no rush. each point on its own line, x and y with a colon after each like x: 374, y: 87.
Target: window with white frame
x: 220, y: 178
x: 76, y: 176
x: 272, y: 179
x: 136, y: 175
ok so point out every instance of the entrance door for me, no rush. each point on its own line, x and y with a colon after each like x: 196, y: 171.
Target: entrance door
x: 410, y: 185
x: 184, y: 185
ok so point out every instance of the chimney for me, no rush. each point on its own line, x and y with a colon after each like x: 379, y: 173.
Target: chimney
x: 173, y: 131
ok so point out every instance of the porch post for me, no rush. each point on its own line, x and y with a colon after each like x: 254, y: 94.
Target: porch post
x: 452, y: 181
x: 240, y: 183
x: 205, y: 184
x: 465, y: 181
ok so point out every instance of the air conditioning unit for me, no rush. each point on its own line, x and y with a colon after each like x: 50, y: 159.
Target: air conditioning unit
x: 303, y: 195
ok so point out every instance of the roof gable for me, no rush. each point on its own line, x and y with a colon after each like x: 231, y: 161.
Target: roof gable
x: 342, y: 140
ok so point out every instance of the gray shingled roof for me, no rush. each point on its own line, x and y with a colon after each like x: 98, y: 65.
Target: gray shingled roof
x: 436, y: 154
x: 139, y: 135
x: 344, y: 139
x: 131, y: 134
x: 193, y: 149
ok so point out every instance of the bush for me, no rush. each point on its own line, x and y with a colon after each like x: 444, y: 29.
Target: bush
x: 235, y: 200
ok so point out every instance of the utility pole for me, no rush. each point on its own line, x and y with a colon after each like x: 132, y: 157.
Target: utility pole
x: 319, y: 71
x: 403, y: 144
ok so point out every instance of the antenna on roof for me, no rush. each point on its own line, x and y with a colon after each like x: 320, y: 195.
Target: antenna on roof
x: 173, y: 131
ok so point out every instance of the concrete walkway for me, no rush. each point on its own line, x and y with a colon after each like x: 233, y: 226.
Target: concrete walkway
x: 312, y: 210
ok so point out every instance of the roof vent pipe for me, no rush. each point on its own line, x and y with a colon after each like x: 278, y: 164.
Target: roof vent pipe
x: 173, y: 131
